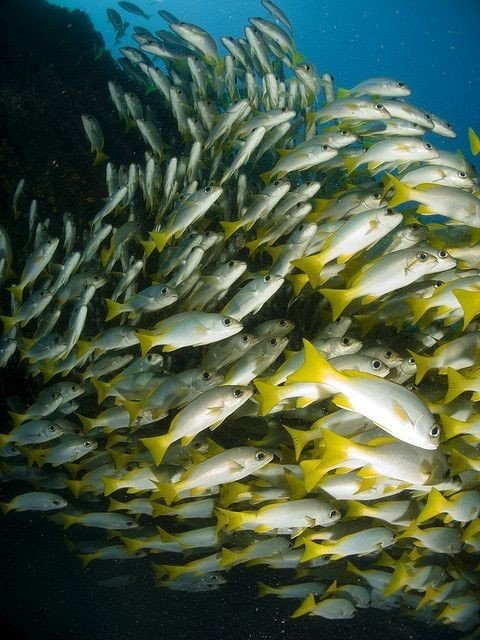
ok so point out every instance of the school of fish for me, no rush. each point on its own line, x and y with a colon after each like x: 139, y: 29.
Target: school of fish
x: 264, y: 349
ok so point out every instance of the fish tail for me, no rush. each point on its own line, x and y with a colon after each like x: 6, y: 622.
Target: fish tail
x: 166, y: 490
x: 5, y: 507
x: 17, y: 418
x: 88, y: 423
x: 99, y: 157
x: 470, y: 303
x: 300, y: 440
x: 315, y: 367
x: 298, y: 281
x: 229, y: 558
x: 457, y: 384
x: 103, y: 390
x: 110, y: 485
x: 147, y: 341
x: 162, y: 510
x: 474, y: 141
x: 132, y: 545
x: 435, y: 505
x: 133, y: 407
x: 399, y: 579
x: 230, y: 492
x: 114, y: 309
x: 265, y: 590
x: 8, y: 323
x: 75, y: 486
x: 267, y: 176
x: 157, y: 446
x: 312, y: 266
x: 230, y: 520
x: 268, y: 396
x: 313, y: 471
x: 85, y: 558
x: 148, y: 247
x: 160, y: 238
x: 452, y: 427
x: 296, y: 486
x: 17, y: 291
x: 419, y: 307
x: 68, y: 521
x: 402, y: 192
x: 424, y: 364
x: 83, y: 347
x: 351, y: 163
x: 307, y: 606
x: 339, y: 299
x: 229, y: 228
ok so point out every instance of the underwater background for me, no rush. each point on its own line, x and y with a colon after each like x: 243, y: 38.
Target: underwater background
x: 53, y: 68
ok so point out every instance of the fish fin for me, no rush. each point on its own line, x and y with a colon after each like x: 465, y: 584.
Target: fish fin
x: 148, y: 247
x: 83, y: 347
x: 312, y: 266
x: 313, y: 471
x: 8, y: 323
x: 157, y: 446
x: 419, y: 307
x: 17, y: 291
x: 313, y: 550
x: 86, y: 558
x: 69, y: 520
x: 351, y: 163
x: 103, y: 390
x: 148, y: 341
x: 296, y: 486
x: 132, y: 544
x: 75, y: 486
x: 267, y: 176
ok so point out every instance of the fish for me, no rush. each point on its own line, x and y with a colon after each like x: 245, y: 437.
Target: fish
x: 94, y: 133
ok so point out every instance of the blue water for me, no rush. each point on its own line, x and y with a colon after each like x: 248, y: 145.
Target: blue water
x: 433, y: 46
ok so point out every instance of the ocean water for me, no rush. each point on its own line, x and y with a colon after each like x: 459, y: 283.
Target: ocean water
x: 45, y: 592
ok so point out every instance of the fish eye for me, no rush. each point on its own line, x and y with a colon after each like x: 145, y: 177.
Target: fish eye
x: 462, y: 174
x: 150, y: 357
x: 129, y: 523
x: 428, y: 116
x: 52, y: 427
x: 276, y: 183
x: 376, y: 364
x: 273, y: 341
x: 96, y: 278
x: 227, y: 322
x: 411, y: 361
x: 260, y: 455
x: 334, y: 514
x: 400, y: 84
x: 346, y: 342
x: 414, y: 226
x: 284, y: 109
x: 207, y: 189
x: 213, y: 578
x: 179, y: 91
x: 206, y: 375
x: 344, y: 133
x: 422, y: 256
x: 267, y: 278
x: 245, y: 338
x: 435, y: 431
x: 307, y: 67
x: 377, y: 196
x: 379, y: 106
x: 238, y: 393
x: 388, y: 354
x: 74, y: 388
x: 437, y: 283
x: 87, y: 443
x: 389, y: 212
x: 448, y: 125
x: 130, y: 466
x: 301, y: 227
x: 231, y: 263
x: 282, y: 322
x: 324, y: 147
x: 49, y: 242
x: 442, y: 254
x: 56, y: 501
x: 164, y: 290
x: 56, y: 340
x: 428, y: 145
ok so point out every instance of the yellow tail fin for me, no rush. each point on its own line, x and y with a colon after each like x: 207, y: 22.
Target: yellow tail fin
x: 157, y: 446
